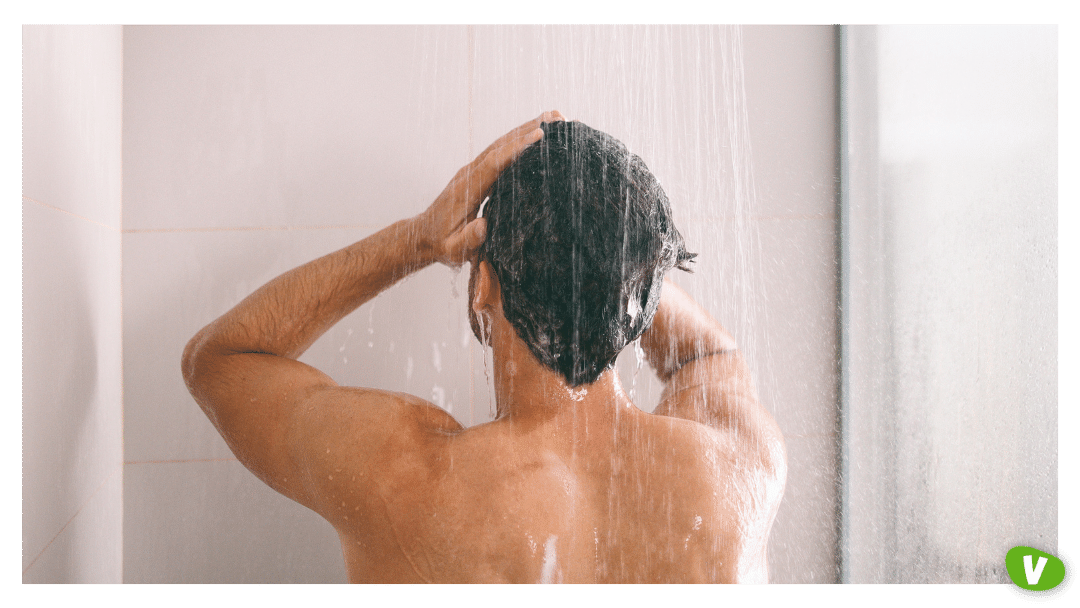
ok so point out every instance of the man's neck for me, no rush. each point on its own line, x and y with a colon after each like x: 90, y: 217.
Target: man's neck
x: 528, y: 392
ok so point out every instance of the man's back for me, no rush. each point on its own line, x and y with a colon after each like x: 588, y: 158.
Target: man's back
x: 635, y: 497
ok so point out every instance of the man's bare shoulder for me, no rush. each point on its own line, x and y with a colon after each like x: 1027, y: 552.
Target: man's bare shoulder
x: 720, y: 457
x: 695, y: 436
x: 341, y: 408
x: 346, y: 436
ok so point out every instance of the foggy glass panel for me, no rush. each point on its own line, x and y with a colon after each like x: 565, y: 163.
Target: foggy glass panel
x: 951, y: 293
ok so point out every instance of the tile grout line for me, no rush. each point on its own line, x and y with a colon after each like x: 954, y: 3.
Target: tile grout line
x: 68, y: 523
x: 776, y: 217
x: 780, y: 217
x: 55, y: 208
x: 253, y: 228
x: 233, y: 459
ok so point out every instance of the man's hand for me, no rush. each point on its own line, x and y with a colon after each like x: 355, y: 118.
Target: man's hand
x: 450, y: 230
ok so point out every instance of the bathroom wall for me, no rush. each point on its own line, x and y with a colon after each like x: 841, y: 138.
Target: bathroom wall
x: 791, y: 97
x: 250, y: 150
x: 72, y: 455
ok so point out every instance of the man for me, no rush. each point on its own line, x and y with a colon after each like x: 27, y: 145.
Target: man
x: 571, y: 482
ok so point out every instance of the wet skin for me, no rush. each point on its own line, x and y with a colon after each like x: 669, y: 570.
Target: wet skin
x: 563, y: 486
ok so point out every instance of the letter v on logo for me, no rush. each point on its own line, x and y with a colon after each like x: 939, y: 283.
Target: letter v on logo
x: 1033, y: 569
x: 1033, y: 575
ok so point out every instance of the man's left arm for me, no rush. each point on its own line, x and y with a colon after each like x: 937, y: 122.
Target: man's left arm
x: 242, y: 368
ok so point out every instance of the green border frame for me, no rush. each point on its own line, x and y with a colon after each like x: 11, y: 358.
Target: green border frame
x: 431, y: 11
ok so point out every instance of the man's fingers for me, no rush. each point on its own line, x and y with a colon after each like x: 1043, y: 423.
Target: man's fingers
x: 552, y: 116
x: 463, y: 245
x: 503, y: 152
x: 475, y: 232
x: 466, y: 189
x: 507, y: 148
x: 514, y: 137
x: 498, y: 158
x: 528, y: 127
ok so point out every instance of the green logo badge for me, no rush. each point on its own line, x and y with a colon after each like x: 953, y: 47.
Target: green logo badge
x: 1033, y: 569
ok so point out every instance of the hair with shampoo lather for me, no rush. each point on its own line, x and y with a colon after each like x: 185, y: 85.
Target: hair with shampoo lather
x: 580, y: 236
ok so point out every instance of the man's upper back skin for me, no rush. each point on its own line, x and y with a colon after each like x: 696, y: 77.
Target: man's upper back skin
x: 651, y: 499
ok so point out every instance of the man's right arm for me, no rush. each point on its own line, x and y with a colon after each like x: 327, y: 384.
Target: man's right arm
x: 706, y: 379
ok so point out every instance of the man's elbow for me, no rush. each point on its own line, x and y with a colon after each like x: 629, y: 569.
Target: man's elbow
x: 774, y: 457
x: 197, y: 366
x: 193, y: 364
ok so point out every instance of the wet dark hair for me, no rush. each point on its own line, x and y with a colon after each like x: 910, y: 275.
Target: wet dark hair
x: 580, y: 235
